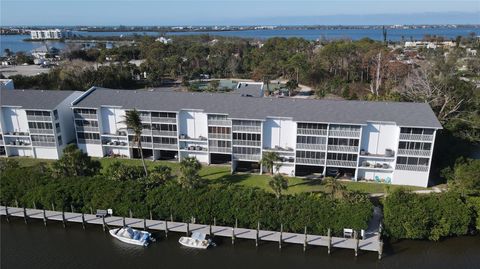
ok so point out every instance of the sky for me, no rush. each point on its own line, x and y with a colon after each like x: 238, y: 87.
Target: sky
x: 234, y: 12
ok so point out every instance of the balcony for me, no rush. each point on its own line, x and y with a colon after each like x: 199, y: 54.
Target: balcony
x: 115, y: 143
x: 164, y: 120
x: 342, y: 148
x: 88, y: 141
x: 41, y: 131
x: 144, y: 144
x: 378, y: 165
x: 310, y: 161
x: 2, y: 143
x: 196, y: 148
x: 219, y: 136
x: 342, y: 163
x: 145, y: 118
x: 411, y: 167
x: 164, y: 133
x: 86, y: 116
x: 247, y: 143
x: 414, y: 152
x: 286, y: 150
x: 39, y: 118
x: 165, y: 146
x: 219, y: 122
x: 247, y: 157
x: 144, y: 132
x: 19, y: 134
x: 44, y: 144
x: 88, y: 129
x: 416, y: 137
x: 18, y: 144
x: 251, y: 129
x: 340, y: 133
x: 302, y: 131
x: 196, y: 139
x: 220, y: 150
x: 319, y: 147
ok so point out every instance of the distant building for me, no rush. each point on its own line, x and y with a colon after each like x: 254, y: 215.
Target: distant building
x: 164, y: 40
x: 49, y: 34
x: 6, y: 84
x: 249, y: 88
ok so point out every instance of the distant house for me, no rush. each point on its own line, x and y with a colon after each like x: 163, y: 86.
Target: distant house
x: 49, y: 34
x: 41, y: 54
x: 164, y: 40
x: 249, y: 88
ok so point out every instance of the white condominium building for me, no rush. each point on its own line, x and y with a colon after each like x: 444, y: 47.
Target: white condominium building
x: 49, y: 34
x: 387, y: 142
x: 36, y: 123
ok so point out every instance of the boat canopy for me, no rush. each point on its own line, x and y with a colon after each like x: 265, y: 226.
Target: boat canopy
x: 198, y: 236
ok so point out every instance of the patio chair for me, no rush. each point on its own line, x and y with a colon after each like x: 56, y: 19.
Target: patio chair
x: 388, y: 180
x: 377, y: 179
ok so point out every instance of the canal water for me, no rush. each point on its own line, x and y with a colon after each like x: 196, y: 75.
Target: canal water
x: 36, y: 246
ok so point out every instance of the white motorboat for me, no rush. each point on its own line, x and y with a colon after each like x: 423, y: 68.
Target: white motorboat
x: 132, y: 236
x: 197, y: 240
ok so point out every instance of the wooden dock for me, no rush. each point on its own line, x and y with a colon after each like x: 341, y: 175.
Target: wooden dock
x: 371, y: 242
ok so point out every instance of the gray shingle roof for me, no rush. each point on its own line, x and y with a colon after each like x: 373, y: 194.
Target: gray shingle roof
x: 33, y: 99
x: 238, y: 107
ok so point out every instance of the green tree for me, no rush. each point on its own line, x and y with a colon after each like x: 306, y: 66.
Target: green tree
x: 268, y: 160
x: 189, y: 177
x: 465, y: 176
x: 121, y: 172
x: 334, y: 187
x: 158, y: 175
x: 74, y: 163
x: 291, y: 86
x: 8, y: 163
x: 278, y: 183
x: 134, y: 123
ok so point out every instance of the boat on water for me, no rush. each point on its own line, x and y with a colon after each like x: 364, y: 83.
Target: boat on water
x: 132, y: 236
x: 197, y: 240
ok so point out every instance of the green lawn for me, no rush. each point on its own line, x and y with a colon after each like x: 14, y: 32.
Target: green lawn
x: 221, y: 174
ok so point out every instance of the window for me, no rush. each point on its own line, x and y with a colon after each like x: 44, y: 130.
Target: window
x: 342, y: 156
x: 86, y: 123
x: 91, y: 136
x: 43, y: 138
x: 220, y: 143
x: 312, y: 126
x: 246, y: 123
x: 243, y: 150
x: 55, y: 114
x: 165, y: 140
x: 311, y: 140
x: 57, y: 126
x: 59, y: 138
x: 164, y: 127
x: 335, y: 127
x: 414, y: 145
x: 246, y: 136
x: 310, y: 154
x: 343, y: 141
x: 40, y: 125
x: 218, y: 130
x: 217, y: 117
x: 164, y: 115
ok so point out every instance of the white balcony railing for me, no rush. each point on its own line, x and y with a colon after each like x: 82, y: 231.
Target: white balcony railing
x: 342, y: 163
x: 220, y: 122
x: 88, y: 129
x: 343, y: 148
x: 417, y: 137
x: 39, y: 118
x: 321, y: 147
x: 164, y: 133
x: 248, y: 157
x: 88, y: 141
x: 165, y: 146
x: 414, y: 152
x: 41, y: 131
x: 246, y: 143
x: 310, y: 161
x: 144, y: 144
x: 219, y: 136
x: 86, y: 116
x: 302, y: 131
x: 164, y: 120
x: 241, y: 128
x: 410, y: 167
x: 145, y: 118
x: 340, y: 133
x: 43, y: 144
x: 220, y: 150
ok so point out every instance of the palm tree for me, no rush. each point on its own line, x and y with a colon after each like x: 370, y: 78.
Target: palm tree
x: 189, y: 177
x: 134, y: 123
x: 278, y: 183
x: 268, y: 161
x: 334, y: 187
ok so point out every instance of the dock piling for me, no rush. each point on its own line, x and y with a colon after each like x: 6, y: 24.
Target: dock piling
x: 64, y: 222
x: 44, y: 218
x: 53, y: 206
x: 144, y: 224
x: 257, y: 234
x: 355, y: 235
x: 83, y: 221
x: 188, y: 228
x: 6, y: 214
x: 151, y: 215
x: 124, y: 222
x: 104, y: 225
x: 329, y: 240
x: 380, y: 249
x: 25, y: 215
x: 233, y: 235
x: 130, y: 213
x: 281, y: 235
x: 71, y: 207
x: 34, y: 205
x: 166, y: 228
x: 305, y: 242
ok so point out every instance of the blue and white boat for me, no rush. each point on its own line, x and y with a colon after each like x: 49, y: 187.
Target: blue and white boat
x: 132, y: 236
x: 197, y: 240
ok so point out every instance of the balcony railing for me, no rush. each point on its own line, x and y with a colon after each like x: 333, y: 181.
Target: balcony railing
x: 164, y: 133
x: 302, y: 131
x: 86, y: 116
x: 220, y: 150
x: 220, y: 136
x: 220, y: 122
x: 88, y: 141
x: 115, y: 143
x: 310, y: 161
x: 164, y: 120
x: 340, y: 133
x: 414, y: 152
x: 311, y: 146
x: 410, y: 167
x: 16, y: 134
x: 249, y: 157
x: 144, y: 132
x: 144, y: 144
x: 145, y: 118
x: 88, y: 129
x: 343, y: 148
x: 246, y: 143
x: 417, y: 137
x: 194, y: 148
x: 44, y: 144
x: 39, y: 118
x: 342, y: 163
x: 41, y: 131
x: 241, y: 128
x: 2, y: 143
x: 165, y: 146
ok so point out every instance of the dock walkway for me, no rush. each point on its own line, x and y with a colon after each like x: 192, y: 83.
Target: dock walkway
x: 371, y: 242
